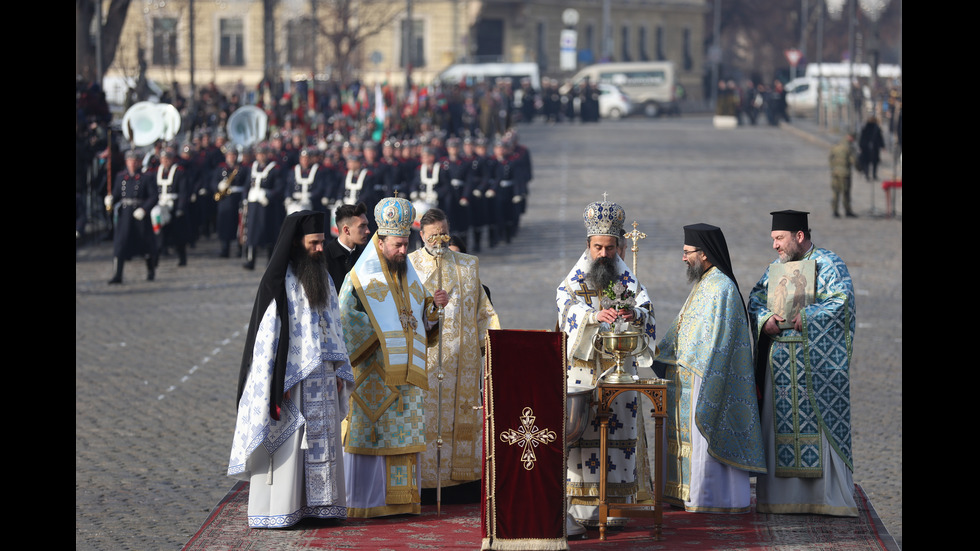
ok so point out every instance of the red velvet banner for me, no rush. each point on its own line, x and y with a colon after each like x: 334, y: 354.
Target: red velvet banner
x: 524, y: 441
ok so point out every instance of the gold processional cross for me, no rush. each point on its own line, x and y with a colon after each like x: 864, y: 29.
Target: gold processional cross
x: 528, y: 436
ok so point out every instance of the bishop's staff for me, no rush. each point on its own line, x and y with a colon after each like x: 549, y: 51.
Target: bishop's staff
x: 438, y: 244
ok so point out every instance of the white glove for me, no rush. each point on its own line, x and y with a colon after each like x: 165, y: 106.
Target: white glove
x: 202, y: 191
x: 463, y: 202
x: 193, y: 198
x: 263, y: 200
x: 324, y: 201
x: 108, y: 201
x: 223, y: 186
x: 414, y: 195
x: 477, y: 193
x: 139, y: 213
x: 517, y: 199
x: 491, y: 193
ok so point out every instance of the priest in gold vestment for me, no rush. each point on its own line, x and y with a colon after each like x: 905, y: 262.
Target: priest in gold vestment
x: 466, y: 320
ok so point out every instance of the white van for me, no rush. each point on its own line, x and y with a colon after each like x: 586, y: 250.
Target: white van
x: 650, y: 85
x: 472, y: 73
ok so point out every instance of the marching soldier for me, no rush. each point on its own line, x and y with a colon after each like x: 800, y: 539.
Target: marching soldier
x: 457, y: 203
x: 134, y: 194
x: 227, y: 185
x: 264, y: 205
x: 174, y: 186
x: 475, y: 150
x: 507, y: 187
x: 360, y: 185
x: 430, y: 183
x: 304, y: 183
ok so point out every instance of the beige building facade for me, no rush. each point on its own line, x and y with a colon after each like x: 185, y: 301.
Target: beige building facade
x: 229, y: 45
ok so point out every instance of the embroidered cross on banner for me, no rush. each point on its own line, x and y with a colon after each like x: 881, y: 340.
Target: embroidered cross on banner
x: 528, y: 436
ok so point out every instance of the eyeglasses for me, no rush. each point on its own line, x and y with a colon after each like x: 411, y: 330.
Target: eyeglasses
x: 686, y: 252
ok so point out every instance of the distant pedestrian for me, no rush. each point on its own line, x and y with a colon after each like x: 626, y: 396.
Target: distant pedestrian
x: 871, y: 142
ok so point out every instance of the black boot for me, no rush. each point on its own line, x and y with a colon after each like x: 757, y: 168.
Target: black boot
x: 249, y: 258
x: 476, y: 241
x: 151, y: 269
x: 181, y: 255
x: 117, y: 263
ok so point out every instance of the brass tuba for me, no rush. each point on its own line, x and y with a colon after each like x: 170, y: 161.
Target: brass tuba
x: 146, y: 122
x: 247, y: 126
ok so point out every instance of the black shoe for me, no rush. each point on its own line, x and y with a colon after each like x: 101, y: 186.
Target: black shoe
x: 851, y: 215
x: 836, y: 215
x: 182, y: 263
x: 115, y: 281
x: 249, y: 265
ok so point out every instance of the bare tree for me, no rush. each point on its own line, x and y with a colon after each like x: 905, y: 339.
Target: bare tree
x: 86, y: 63
x: 347, y: 24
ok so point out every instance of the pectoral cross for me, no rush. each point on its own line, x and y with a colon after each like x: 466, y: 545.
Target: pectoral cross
x: 587, y: 293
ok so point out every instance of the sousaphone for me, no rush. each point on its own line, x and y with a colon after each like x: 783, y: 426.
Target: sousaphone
x: 247, y: 125
x: 144, y: 123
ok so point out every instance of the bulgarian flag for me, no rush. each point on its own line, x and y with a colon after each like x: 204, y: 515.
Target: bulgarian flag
x: 379, y: 114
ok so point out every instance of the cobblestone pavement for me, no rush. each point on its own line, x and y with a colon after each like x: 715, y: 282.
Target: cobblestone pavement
x: 156, y: 363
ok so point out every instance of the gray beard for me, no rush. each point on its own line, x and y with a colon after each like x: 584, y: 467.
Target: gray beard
x: 601, y: 272
x: 695, y: 271
x: 311, y: 271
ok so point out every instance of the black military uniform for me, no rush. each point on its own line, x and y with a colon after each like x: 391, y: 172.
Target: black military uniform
x: 174, y: 184
x: 264, y: 205
x: 228, y: 183
x: 460, y: 193
x: 134, y: 194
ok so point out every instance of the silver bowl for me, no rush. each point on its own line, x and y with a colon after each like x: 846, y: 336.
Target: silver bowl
x: 577, y: 411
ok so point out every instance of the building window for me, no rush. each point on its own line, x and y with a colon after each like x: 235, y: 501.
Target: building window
x: 165, y: 41
x: 417, y: 47
x: 300, y: 42
x: 688, y: 60
x: 642, y: 44
x: 625, y: 42
x: 660, y: 44
x: 231, y: 42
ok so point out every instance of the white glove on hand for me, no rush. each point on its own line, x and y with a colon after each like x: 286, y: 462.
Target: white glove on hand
x: 477, y: 193
x: 139, y: 213
x: 414, y: 195
x: 263, y: 200
x: 517, y: 199
x: 491, y: 193
x: 463, y: 202
x: 324, y: 201
x: 108, y: 201
x: 223, y: 186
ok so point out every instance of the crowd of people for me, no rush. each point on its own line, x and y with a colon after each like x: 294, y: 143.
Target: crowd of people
x: 433, y: 150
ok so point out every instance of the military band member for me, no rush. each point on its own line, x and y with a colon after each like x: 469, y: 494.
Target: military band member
x: 174, y: 185
x: 304, y: 183
x: 134, y: 194
x: 457, y: 202
x: 228, y: 183
x: 264, y: 204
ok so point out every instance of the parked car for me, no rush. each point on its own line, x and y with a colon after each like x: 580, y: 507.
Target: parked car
x: 613, y: 102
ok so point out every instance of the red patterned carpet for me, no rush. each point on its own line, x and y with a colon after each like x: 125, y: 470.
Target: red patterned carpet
x: 458, y: 527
